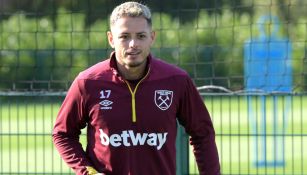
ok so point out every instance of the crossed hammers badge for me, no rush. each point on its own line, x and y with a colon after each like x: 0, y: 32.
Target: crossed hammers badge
x: 163, y: 99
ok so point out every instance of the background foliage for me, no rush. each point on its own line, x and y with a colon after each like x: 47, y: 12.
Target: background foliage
x: 44, y: 44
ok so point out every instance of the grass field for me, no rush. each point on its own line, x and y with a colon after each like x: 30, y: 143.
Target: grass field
x: 26, y: 146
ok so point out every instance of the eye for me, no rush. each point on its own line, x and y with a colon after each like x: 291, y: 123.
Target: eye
x: 142, y: 36
x: 123, y: 37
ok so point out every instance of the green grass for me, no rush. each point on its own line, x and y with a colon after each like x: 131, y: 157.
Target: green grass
x: 26, y: 144
x: 235, y: 140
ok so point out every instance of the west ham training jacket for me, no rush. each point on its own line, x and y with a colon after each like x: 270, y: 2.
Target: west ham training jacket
x: 132, y: 129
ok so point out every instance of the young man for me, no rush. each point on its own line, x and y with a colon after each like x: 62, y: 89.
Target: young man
x: 130, y: 104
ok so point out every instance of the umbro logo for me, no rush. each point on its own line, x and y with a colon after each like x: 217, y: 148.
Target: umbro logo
x: 105, y: 104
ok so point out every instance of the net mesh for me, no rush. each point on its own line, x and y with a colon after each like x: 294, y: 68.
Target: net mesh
x: 248, y: 59
x: 45, y: 48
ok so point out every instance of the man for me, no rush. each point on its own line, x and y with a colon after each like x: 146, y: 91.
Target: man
x: 130, y: 104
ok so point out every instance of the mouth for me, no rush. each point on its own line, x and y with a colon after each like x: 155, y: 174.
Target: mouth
x: 133, y: 53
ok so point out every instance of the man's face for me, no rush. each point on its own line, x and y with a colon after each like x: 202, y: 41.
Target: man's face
x: 131, y: 37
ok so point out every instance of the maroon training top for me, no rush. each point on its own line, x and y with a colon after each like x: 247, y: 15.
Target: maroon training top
x: 132, y: 129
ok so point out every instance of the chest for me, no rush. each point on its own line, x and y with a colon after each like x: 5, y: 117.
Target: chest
x: 154, y: 106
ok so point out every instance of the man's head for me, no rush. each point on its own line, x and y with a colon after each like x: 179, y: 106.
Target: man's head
x: 131, y: 34
x: 130, y: 9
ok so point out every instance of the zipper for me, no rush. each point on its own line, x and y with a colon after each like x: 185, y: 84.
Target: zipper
x: 133, y: 92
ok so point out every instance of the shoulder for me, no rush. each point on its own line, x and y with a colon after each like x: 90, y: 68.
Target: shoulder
x: 162, y: 69
x: 96, y: 71
x: 171, y: 74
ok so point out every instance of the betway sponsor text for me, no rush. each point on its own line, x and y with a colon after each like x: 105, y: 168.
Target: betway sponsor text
x: 129, y: 138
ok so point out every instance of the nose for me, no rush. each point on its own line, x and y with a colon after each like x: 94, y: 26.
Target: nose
x: 132, y: 43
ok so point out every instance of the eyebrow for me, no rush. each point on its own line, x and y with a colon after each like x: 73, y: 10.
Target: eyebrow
x: 124, y: 33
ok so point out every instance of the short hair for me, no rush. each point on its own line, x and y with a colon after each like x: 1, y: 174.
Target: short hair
x: 131, y: 9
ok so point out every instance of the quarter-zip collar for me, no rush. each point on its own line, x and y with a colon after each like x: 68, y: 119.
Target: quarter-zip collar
x: 132, y: 91
x: 114, y: 68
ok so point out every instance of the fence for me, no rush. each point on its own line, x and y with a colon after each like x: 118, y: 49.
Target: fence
x: 254, y: 72
x: 259, y: 133
x: 43, y: 47
x: 262, y: 142
x: 26, y: 122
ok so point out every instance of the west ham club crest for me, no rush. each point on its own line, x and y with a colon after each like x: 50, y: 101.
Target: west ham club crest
x: 163, y: 99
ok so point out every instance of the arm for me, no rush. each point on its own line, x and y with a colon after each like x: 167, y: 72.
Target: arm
x: 67, y: 129
x: 195, y: 118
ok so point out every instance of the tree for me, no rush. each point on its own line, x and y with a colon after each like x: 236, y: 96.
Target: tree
x: 100, y: 9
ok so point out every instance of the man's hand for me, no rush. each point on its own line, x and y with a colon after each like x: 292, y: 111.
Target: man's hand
x: 91, y: 171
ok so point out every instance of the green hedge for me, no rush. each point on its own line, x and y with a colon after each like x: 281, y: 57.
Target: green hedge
x: 39, y: 54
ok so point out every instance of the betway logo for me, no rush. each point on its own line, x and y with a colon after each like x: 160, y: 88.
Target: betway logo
x: 129, y: 138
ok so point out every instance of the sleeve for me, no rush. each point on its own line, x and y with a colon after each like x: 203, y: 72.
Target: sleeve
x: 195, y: 118
x: 67, y: 129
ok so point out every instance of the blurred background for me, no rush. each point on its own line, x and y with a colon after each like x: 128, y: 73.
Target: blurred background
x: 247, y: 58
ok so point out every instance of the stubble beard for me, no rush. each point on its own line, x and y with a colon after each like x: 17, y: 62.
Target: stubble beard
x: 135, y: 63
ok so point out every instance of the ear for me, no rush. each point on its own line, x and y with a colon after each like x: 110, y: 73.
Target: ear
x: 110, y: 39
x: 153, y: 36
